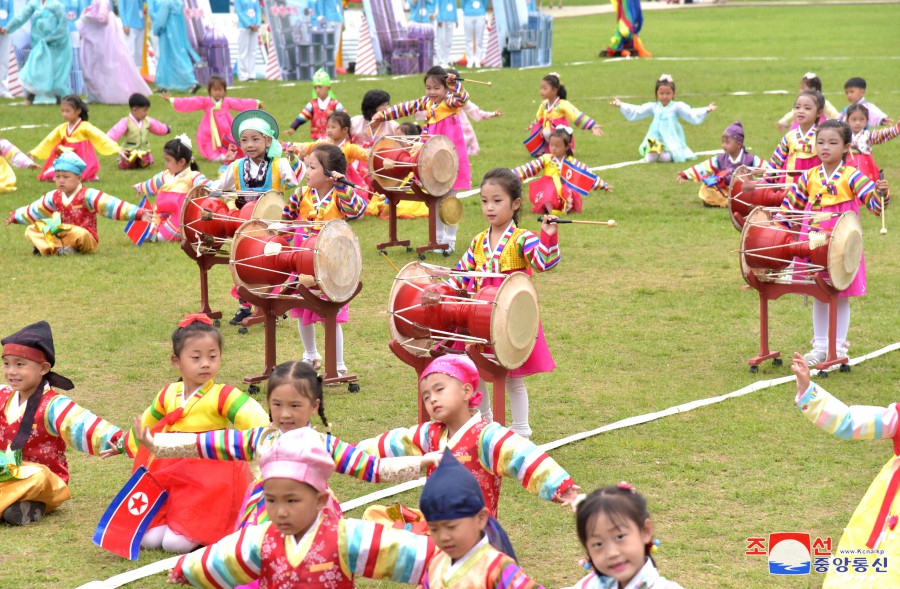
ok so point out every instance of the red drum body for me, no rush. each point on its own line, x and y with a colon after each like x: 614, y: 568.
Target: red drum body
x: 207, y: 220
x: 745, y: 195
x: 431, y: 162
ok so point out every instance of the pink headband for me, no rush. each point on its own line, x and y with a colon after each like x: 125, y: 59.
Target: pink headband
x: 459, y: 367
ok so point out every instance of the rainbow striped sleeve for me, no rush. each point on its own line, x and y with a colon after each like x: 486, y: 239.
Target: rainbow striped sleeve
x: 502, y: 451
x: 702, y: 170
x: 349, y: 202
x: 779, y: 158
x: 80, y: 428
x: 504, y: 573
x: 575, y: 116
x: 864, y: 189
x: 796, y: 197
x: 350, y: 460
x: 532, y: 168
x: 292, y: 209
x: 14, y: 154
x: 879, y: 136
x: 457, y: 96
x: 201, y: 180
x: 466, y: 264
x: 109, y: 206
x: 39, y: 209
x: 229, y: 444
x: 371, y: 550
x: 234, y: 560
x: 541, y: 252
x: 241, y: 409
x: 305, y: 115
x: 405, y: 109
x: 152, y: 186
x: 399, y: 442
x: 849, y: 423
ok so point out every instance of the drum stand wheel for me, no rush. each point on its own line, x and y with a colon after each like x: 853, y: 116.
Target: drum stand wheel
x: 353, y: 387
x: 217, y: 323
x: 253, y: 389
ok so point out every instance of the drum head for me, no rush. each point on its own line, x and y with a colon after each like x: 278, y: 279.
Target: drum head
x: 515, y: 321
x: 269, y: 206
x: 756, y: 216
x: 411, y: 272
x: 387, y: 143
x: 193, y: 194
x: 845, y: 250
x: 451, y: 210
x: 438, y: 165
x: 253, y: 229
x: 740, y: 174
x: 337, y: 261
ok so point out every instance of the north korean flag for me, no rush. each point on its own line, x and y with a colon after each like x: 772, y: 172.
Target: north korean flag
x: 126, y: 519
x: 138, y: 231
x: 578, y: 180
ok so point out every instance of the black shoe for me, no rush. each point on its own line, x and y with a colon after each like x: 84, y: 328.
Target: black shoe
x: 242, y: 314
x: 195, y: 88
x: 22, y: 513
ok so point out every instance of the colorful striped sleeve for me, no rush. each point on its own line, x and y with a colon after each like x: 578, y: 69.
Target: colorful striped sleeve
x: 864, y: 189
x: 502, y: 451
x: 532, y: 168
x: 14, y: 155
x: 355, y: 153
x: 349, y: 203
x: 371, y: 550
x: 229, y: 444
x: 466, y: 264
x: 411, y: 441
x: 350, y: 460
x: 879, y: 136
x: 109, y: 206
x: 858, y: 422
x: 39, y: 209
x: 305, y: 115
x: 504, y: 573
x: 242, y: 410
x: 796, y: 197
x: 232, y: 561
x: 779, y: 157
x: 291, y: 210
x: 702, y: 170
x: 201, y: 180
x: 151, y: 187
x: 405, y: 109
x: 457, y: 96
x: 575, y: 116
x: 80, y: 428
x: 542, y: 252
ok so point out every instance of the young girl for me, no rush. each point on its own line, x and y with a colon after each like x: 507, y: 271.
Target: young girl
x: 715, y: 173
x: 505, y: 248
x: 170, y: 187
x: 204, y: 495
x: 615, y: 530
x: 36, y: 425
x: 175, y: 69
x: 555, y: 110
x: 363, y: 131
x: 317, y: 111
x: 322, y: 199
x: 834, y: 187
x: 77, y: 135
x: 860, y: 157
x: 809, y: 81
x: 294, y: 394
x: 871, y: 527
x: 213, y: 135
x: 337, y: 133
x: 134, y: 133
x: 797, y: 149
x: 549, y: 165
x: 444, y: 98
x: 10, y: 154
x: 488, y: 450
x: 664, y: 141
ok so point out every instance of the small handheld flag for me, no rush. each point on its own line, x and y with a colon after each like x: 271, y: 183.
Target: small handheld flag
x: 578, y: 180
x: 138, y: 231
x: 129, y: 515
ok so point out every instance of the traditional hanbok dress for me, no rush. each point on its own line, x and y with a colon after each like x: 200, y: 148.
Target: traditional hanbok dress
x: 860, y: 156
x: 362, y: 134
x: 169, y: 191
x: 795, y: 151
x: 214, y: 132
x: 482, y: 567
x: 50, y: 62
x: 81, y: 137
x: 175, y: 69
x: 715, y: 174
x: 561, y: 197
x: 135, y: 140
x: 316, y: 113
x: 646, y: 578
x: 10, y: 156
x: 553, y: 114
x: 665, y: 133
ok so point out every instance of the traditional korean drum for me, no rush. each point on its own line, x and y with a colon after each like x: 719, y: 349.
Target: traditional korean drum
x: 429, y: 315
x: 208, y: 222
x: 745, y: 194
x: 329, y: 261
x: 430, y: 161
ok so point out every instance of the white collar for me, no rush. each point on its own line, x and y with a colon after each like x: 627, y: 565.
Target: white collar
x: 68, y: 198
x: 737, y: 159
x: 453, y: 441
x: 462, y: 559
x: 140, y: 124
x: 647, y: 575
x: 312, y: 530
x: 71, y: 126
x: 493, y: 250
x: 323, y: 103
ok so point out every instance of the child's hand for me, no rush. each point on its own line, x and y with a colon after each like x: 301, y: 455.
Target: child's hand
x: 123, y: 154
x: 261, y: 107
x: 608, y: 187
x: 431, y: 459
x: 290, y: 131
x: 175, y: 579
x: 34, y: 167
x: 165, y: 95
x: 615, y: 102
x: 109, y: 452
x: 231, y: 155
x: 337, y: 176
x: 143, y: 435
x: 681, y: 179
x: 887, y: 121
x: 712, y: 106
x: 451, y: 80
x: 783, y: 127
x: 2, y: 31
x: 10, y: 219
x: 882, y: 186
x: 546, y: 225
x: 568, y: 497
x: 597, y: 130
x: 498, y: 113
x: 147, y: 215
x: 801, y: 369
x: 377, y: 117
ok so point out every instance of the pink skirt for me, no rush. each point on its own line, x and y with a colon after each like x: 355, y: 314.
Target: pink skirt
x: 802, y: 165
x: 857, y: 288
x: 452, y: 128
x: 306, y: 316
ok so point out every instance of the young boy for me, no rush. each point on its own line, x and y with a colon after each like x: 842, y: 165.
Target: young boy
x: 36, y: 423
x: 133, y: 133
x: 71, y: 212
x: 855, y: 91
x: 317, y: 111
x: 302, y: 545
x: 460, y: 525
x: 715, y: 173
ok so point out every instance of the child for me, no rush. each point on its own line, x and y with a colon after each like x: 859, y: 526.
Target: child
x: 363, y: 131
x: 204, y: 495
x: 549, y: 165
x: 76, y: 135
x: 443, y: 100
x: 488, y: 450
x: 36, y: 424
x: 505, y: 248
x: 170, y: 187
x: 715, y: 173
x: 110, y: 75
x: 809, y: 81
x: 322, y: 199
x: 797, y: 149
x: 872, y: 525
x: 461, y: 526
x: 860, y: 156
x: 213, y: 133
x: 855, y: 92
x: 294, y: 394
x: 249, y: 19
x: 664, y: 141
x: 175, y: 69
x: 337, y: 133
x: 317, y: 111
x: 133, y: 133
x: 409, y: 128
x: 555, y: 110
x: 304, y: 545
x: 834, y: 187
x: 615, y: 530
x: 71, y: 211
x: 10, y: 154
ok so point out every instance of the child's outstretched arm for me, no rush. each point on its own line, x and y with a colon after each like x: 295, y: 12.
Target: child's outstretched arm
x: 232, y: 561
x: 80, y: 428
x: 702, y: 170
x: 305, y: 116
x: 874, y: 195
x: 372, y: 550
x: 398, y: 111
x: 694, y: 116
x: 39, y: 209
x: 883, y: 135
x: 578, y: 119
x: 633, y: 112
x: 114, y: 208
x: 15, y: 156
x: 541, y: 251
x: 45, y: 148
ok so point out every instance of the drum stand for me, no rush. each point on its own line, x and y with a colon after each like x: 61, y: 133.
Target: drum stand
x: 205, y: 262
x: 272, y: 307
x: 487, y: 370
x: 822, y: 291
x: 417, y: 195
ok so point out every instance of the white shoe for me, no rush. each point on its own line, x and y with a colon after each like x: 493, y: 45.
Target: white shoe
x: 814, y: 356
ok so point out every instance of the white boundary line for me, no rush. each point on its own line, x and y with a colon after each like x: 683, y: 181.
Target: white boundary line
x: 165, y: 564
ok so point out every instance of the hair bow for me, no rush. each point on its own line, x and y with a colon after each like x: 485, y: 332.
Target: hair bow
x: 475, y: 399
x: 564, y: 128
x: 193, y: 318
x: 626, y: 486
x: 665, y: 78
x: 809, y: 76
x: 185, y: 140
x: 558, y: 77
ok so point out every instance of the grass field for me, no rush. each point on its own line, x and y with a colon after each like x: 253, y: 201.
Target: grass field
x: 639, y: 318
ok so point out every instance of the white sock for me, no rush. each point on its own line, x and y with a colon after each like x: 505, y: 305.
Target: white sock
x: 308, y: 339
x: 518, y: 406
x: 153, y: 538
x: 450, y: 235
x: 820, y: 325
x: 843, y: 323
x: 339, y: 348
x: 174, y: 542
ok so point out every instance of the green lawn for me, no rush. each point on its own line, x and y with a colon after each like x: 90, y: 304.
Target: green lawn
x: 639, y: 318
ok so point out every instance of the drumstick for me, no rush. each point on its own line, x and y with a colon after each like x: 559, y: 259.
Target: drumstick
x: 883, y: 208
x: 610, y: 223
x: 471, y: 81
x: 393, y: 265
